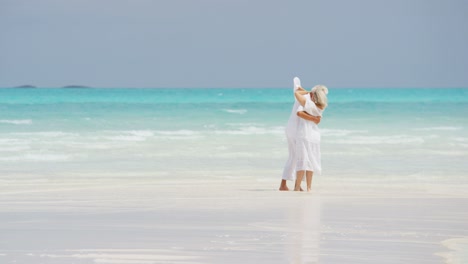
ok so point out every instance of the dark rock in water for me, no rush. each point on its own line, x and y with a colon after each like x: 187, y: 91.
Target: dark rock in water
x: 76, y: 86
x: 25, y: 86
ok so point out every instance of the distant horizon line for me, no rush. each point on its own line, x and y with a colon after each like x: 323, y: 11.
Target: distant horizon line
x: 122, y: 87
x: 92, y: 87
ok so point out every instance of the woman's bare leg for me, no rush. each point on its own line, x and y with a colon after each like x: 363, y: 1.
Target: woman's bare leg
x: 299, y: 176
x: 309, y: 180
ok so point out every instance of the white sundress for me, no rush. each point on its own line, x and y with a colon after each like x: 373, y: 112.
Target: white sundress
x: 308, y: 140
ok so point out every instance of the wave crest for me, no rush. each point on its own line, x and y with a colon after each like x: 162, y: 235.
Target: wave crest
x: 236, y: 111
x: 16, y: 121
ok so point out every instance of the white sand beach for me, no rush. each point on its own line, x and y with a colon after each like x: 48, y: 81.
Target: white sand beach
x: 143, y: 220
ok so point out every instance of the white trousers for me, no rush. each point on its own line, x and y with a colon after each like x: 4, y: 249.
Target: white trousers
x: 289, y: 171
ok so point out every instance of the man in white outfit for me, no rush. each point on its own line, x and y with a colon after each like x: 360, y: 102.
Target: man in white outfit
x: 289, y: 173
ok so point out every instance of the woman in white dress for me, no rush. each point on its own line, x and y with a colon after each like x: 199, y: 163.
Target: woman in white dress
x: 289, y: 171
x: 308, y: 134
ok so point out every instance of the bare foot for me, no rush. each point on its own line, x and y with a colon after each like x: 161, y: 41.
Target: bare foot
x: 302, y: 189
x: 284, y: 188
x: 309, y: 189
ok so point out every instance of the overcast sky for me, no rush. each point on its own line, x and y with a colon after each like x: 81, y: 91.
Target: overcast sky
x: 234, y: 43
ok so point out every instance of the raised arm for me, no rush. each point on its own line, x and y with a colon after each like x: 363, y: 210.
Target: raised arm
x: 306, y: 116
x: 300, y: 89
x: 299, y: 94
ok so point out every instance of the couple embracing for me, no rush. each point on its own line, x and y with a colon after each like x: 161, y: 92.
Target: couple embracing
x: 303, y: 136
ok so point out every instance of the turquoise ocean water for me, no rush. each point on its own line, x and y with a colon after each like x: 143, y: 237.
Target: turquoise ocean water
x: 372, y: 135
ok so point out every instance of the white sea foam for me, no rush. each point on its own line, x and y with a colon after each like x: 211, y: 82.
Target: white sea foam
x: 94, y: 145
x: 126, y: 256
x: 37, y: 157
x: 14, y: 148
x: 17, y: 121
x: 374, y: 140
x: 13, y: 144
x: 341, y: 132
x: 10, y: 141
x: 238, y: 155
x: 447, y: 152
x: 252, y: 130
x: 142, y: 133
x: 127, y: 138
x: 236, y: 111
x: 177, y: 132
x: 209, y: 126
x: 131, y: 135
x: 51, y: 134
x: 243, y: 124
x: 441, y: 128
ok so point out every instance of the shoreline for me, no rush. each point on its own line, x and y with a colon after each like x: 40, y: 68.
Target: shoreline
x: 111, y: 220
